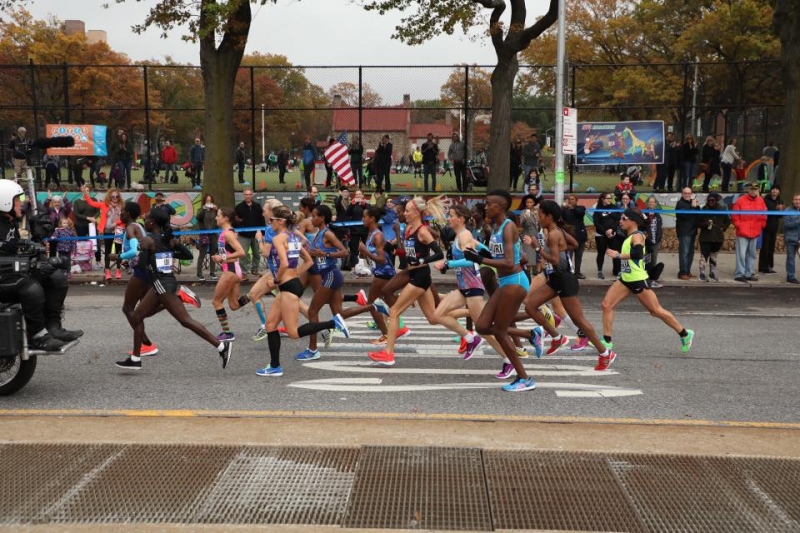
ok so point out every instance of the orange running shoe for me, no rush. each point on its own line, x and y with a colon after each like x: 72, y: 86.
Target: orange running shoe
x: 147, y: 349
x: 403, y: 332
x: 188, y: 297
x: 383, y: 358
x: 604, y: 361
x: 283, y: 332
x: 463, y: 346
x: 379, y: 342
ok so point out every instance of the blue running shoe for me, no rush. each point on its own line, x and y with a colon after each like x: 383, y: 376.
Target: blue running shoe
x: 341, y: 326
x: 520, y: 385
x: 381, y: 307
x: 536, y: 340
x: 270, y: 372
x: 307, y: 355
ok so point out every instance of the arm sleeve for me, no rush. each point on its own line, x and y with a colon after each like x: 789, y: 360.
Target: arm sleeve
x: 436, y: 256
x: 131, y: 253
x: 460, y: 263
x: 637, y: 252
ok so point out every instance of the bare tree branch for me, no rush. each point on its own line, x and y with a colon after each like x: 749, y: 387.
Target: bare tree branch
x: 531, y: 33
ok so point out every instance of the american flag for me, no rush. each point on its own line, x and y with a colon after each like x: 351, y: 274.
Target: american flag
x: 339, y: 159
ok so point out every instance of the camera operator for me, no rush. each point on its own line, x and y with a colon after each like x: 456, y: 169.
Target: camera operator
x: 41, y: 291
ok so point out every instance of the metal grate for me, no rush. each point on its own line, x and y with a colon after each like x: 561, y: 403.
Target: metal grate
x: 307, y: 486
x: 35, y: 477
x: 416, y: 488
x: 556, y: 491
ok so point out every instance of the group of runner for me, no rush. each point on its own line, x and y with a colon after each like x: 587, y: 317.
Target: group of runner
x: 485, y: 255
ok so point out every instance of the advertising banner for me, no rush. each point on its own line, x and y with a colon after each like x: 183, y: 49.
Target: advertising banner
x: 89, y: 140
x: 621, y: 143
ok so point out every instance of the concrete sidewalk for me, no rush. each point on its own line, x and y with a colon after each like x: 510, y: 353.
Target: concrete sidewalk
x: 725, y: 270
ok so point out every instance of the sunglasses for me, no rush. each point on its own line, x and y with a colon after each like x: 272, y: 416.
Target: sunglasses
x: 114, y: 196
x: 273, y: 219
x: 623, y: 218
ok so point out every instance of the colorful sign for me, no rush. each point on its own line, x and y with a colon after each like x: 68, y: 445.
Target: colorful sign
x: 569, y: 138
x: 89, y: 140
x: 621, y: 143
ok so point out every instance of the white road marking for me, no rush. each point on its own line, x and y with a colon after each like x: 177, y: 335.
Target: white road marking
x: 370, y: 367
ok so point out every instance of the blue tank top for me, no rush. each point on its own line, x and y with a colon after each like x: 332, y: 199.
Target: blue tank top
x: 126, y: 247
x: 467, y: 277
x: 292, y: 252
x: 497, y: 244
x: 324, y: 264
x: 378, y: 269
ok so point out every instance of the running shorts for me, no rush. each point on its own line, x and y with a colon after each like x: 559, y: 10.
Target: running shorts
x: 293, y: 286
x: 471, y: 293
x: 565, y: 284
x: 637, y: 287
x: 420, y: 277
x: 518, y: 278
x: 332, y: 279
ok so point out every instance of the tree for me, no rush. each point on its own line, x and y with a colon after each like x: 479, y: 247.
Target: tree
x: 433, y: 18
x: 786, y: 23
x: 349, y: 93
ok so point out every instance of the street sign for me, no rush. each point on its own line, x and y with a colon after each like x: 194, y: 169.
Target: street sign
x: 569, y: 139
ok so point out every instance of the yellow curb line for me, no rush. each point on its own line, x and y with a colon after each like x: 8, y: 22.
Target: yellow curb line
x: 191, y: 413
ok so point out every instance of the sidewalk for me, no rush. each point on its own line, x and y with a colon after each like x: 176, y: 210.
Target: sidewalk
x: 725, y: 269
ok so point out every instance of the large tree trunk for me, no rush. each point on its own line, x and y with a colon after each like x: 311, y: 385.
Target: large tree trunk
x: 786, y: 23
x: 503, y: 76
x: 219, y: 73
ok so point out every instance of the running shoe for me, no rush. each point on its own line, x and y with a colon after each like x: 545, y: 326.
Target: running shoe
x: 383, y: 358
x: 581, y: 344
x: 381, y: 307
x: 520, y: 385
x: 522, y: 353
x: 201, y: 278
x: 307, y: 355
x: 604, y: 361
x: 536, y: 340
x: 372, y: 325
x: 270, y: 372
x: 403, y: 332
x: 607, y: 345
x: 686, y: 342
x: 341, y: 326
x: 657, y: 285
x: 226, y: 337
x: 380, y: 341
x: 476, y: 343
x: 188, y: 297
x: 557, y: 320
x: 118, y: 275
x: 225, y: 354
x: 147, y: 350
x: 463, y: 346
x: 261, y: 334
x: 361, y: 298
x: 274, y: 293
x: 556, y: 345
x: 130, y: 363
x: 327, y: 338
x: 283, y: 332
x: 108, y: 275
x: 213, y: 277
x: 505, y: 372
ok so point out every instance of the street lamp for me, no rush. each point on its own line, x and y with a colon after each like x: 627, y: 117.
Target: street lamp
x: 263, y: 159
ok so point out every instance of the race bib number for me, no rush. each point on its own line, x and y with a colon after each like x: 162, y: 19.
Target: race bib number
x: 164, y: 262
x: 497, y: 249
x: 118, y: 233
x: 625, y: 266
x: 322, y: 261
x: 293, y: 248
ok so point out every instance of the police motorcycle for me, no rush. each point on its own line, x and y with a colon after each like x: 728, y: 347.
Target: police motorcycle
x: 18, y: 358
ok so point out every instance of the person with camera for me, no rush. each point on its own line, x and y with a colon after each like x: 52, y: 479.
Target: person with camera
x: 42, y: 290
x: 20, y: 147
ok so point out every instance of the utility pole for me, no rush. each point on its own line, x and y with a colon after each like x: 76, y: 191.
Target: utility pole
x: 560, y: 84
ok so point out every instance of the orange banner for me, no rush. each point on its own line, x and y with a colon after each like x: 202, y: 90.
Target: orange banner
x: 89, y: 140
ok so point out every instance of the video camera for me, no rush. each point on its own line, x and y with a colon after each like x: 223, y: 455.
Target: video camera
x: 31, y: 257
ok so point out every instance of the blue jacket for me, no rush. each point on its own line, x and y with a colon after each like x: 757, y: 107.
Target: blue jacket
x: 309, y: 155
x: 791, y: 226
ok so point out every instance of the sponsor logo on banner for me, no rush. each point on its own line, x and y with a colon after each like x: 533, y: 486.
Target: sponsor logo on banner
x: 89, y: 140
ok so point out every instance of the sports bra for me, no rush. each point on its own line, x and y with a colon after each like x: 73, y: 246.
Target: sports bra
x: 292, y: 252
x: 378, y: 269
x: 324, y: 264
x: 497, y: 244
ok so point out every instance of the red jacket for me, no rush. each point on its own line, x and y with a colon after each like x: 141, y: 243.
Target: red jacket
x: 169, y: 155
x: 749, y: 226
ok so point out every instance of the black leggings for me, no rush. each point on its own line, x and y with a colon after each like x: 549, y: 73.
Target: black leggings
x: 603, y: 244
x: 108, y: 243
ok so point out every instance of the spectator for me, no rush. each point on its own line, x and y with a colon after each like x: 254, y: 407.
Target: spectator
x: 241, y: 160
x: 328, y: 166
x: 109, y: 225
x: 416, y: 159
x: 625, y: 201
x: 776, y: 159
x: 56, y: 208
x: 762, y: 174
x: 730, y: 157
x: 748, y: 228
x: 516, y: 164
x: 169, y: 156
x: 358, y: 233
x: 197, y: 157
x: 529, y: 227
x: 534, y: 190
x: 766, y: 257
x: 207, y: 220
x: 383, y: 165
x: 272, y: 161
x: 686, y: 228
x: 606, y: 224
x: 532, y: 178
x: 770, y: 150
x: 341, y: 204
x: 530, y: 154
x: 356, y: 152
x: 309, y: 159
x: 791, y: 237
x: 689, y: 153
x: 124, y: 156
x: 161, y: 203
x: 623, y: 187
x: 112, y: 161
x: 574, y: 216
x: 249, y: 214
x: 654, y: 233
x: 712, y: 234
x: 65, y: 229
x: 95, y: 165
x: 52, y: 164
x: 430, y: 159
x: 283, y: 160
x: 457, y: 153
x: 672, y: 154
x: 20, y: 147
x: 711, y: 160
x: 86, y: 214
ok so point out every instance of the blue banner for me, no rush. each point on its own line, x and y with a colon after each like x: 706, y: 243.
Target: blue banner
x: 639, y: 142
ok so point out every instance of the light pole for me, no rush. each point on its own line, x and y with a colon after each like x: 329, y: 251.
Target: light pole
x: 560, y: 82
x: 263, y: 157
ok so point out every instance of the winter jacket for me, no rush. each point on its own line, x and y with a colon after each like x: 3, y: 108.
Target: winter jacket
x: 574, y: 217
x: 685, y: 224
x: 55, y: 214
x: 773, y: 221
x: 713, y: 227
x: 169, y: 155
x: 604, y: 221
x: 249, y: 216
x: 791, y: 226
x: 654, y: 229
x: 309, y: 155
x: 749, y: 226
x: 355, y: 211
x: 197, y: 154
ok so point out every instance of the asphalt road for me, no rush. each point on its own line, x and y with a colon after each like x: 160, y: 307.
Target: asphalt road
x: 743, y: 366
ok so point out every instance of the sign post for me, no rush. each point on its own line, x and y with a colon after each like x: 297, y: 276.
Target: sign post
x: 560, y: 84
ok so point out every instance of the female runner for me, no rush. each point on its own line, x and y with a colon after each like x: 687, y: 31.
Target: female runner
x: 286, y: 252
x: 229, y: 250
x: 157, y: 251
x: 418, y: 242
x: 382, y: 265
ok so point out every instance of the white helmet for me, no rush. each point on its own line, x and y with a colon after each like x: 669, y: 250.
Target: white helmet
x: 9, y: 189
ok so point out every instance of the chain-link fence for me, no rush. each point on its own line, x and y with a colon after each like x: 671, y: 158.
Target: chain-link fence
x: 276, y: 108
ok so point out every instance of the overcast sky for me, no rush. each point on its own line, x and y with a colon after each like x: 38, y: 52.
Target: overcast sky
x: 308, y: 32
